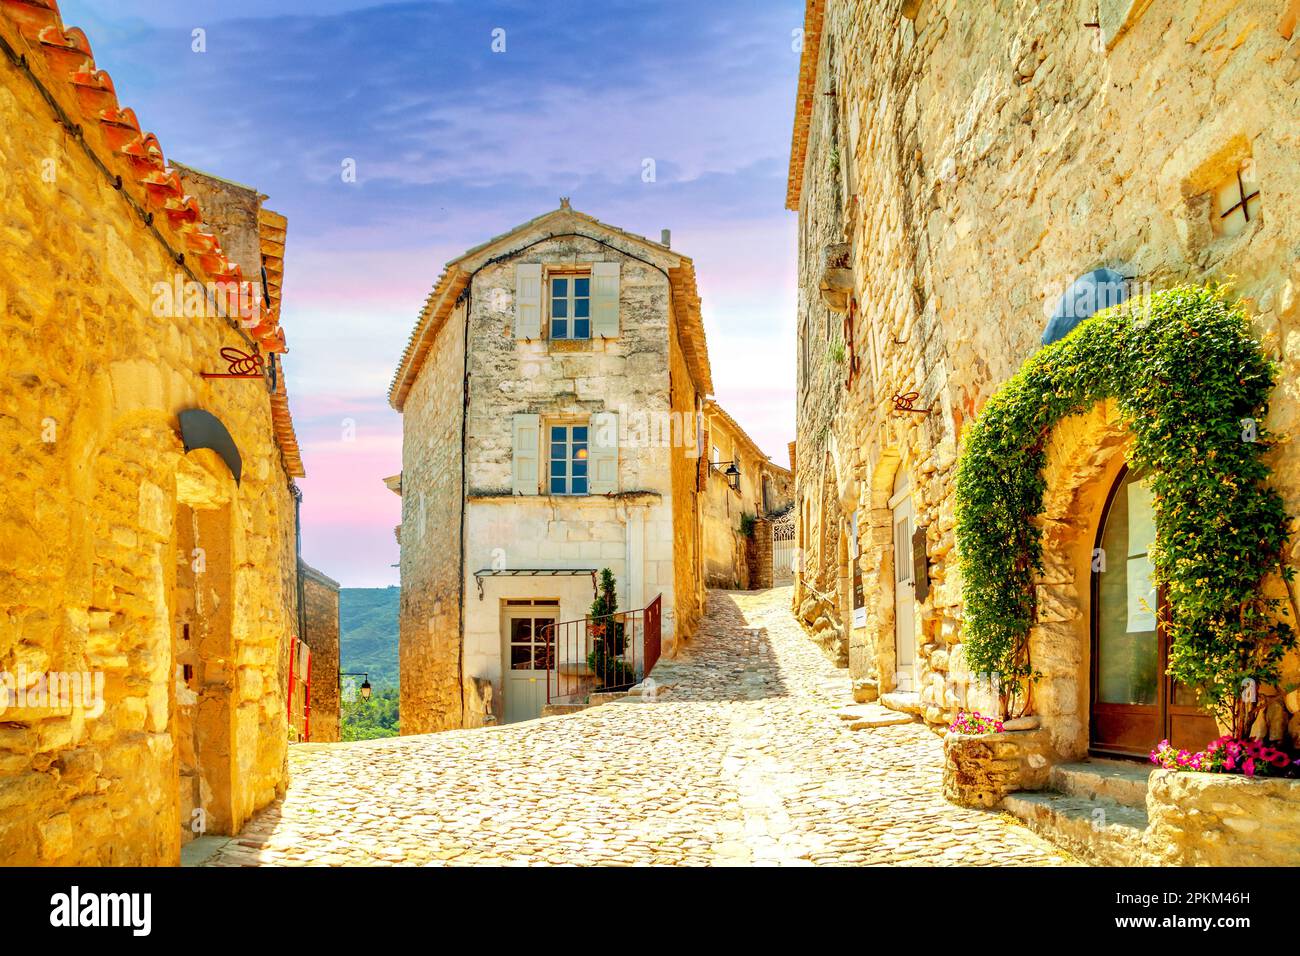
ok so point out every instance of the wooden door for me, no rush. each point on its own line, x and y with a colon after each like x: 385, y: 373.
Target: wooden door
x: 1135, y: 704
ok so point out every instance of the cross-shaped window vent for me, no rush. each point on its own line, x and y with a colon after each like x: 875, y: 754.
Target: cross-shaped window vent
x: 1236, y: 201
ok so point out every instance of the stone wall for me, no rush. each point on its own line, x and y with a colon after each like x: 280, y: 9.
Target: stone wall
x: 429, y: 650
x: 980, y: 769
x: 1213, y: 819
x: 321, y: 632
x: 685, y: 402
x: 121, y: 557
x: 977, y: 159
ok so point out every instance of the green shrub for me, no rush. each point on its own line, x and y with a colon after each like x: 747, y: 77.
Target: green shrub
x: 1191, y: 384
x: 608, y: 637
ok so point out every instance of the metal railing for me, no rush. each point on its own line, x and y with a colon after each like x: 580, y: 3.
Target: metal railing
x: 607, y: 653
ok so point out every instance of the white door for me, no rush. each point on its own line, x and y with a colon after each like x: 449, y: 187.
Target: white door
x: 904, y: 593
x: 526, y: 661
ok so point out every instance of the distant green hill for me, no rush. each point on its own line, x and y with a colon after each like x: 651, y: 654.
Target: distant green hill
x: 368, y: 633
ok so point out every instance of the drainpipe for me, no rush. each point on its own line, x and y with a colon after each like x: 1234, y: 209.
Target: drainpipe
x: 464, y: 492
x: 298, y: 575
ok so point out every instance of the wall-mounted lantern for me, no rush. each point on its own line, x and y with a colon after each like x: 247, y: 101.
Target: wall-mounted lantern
x: 365, y: 683
x: 732, y: 474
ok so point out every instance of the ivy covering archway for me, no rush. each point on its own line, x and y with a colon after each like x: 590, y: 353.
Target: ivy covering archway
x: 1192, y: 385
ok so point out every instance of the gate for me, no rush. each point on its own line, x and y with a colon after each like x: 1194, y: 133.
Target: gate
x: 783, y: 532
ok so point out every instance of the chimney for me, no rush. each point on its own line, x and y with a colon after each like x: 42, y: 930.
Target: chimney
x: 666, y: 238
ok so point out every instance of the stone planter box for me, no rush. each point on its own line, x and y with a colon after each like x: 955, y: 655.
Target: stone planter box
x: 1212, y: 819
x: 980, y: 769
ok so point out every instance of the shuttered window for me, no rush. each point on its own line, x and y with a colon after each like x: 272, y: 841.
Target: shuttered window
x: 571, y: 307
x: 568, y: 460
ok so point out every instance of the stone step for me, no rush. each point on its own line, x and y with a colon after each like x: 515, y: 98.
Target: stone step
x: 554, y: 710
x: 1100, y: 832
x: 905, y: 702
x: 868, y: 716
x: 1121, y: 781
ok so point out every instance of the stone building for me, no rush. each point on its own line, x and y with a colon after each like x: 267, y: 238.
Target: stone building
x: 319, y: 597
x: 955, y: 168
x: 551, y: 395
x: 147, y: 525
x: 737, y: 509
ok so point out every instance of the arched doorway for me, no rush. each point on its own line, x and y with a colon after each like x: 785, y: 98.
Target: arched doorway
x: 1135, y: 704
x: 904, y: 521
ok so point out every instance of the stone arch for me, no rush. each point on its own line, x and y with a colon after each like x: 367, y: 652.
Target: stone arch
x: 1085, y: 454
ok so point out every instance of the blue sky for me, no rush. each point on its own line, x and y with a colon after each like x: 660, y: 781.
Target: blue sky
x: 454, y: 143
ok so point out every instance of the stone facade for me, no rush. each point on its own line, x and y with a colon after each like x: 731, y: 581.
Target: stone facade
x: 479, y: 519
x: 764, y: 489
x: 154, y: 574
x: 320, y: 631
x: 955, y: 167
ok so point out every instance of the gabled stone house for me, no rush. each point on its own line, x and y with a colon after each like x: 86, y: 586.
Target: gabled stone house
x: 551, y: 395
x: 147, y: 524
x: 956, y: 168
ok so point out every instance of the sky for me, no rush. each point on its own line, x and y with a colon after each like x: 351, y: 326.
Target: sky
x: 452, y: 143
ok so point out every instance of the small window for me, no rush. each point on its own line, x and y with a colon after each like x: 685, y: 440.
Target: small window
x: 571, y: 307
x: 1236, y: 201
x: 568, y: 458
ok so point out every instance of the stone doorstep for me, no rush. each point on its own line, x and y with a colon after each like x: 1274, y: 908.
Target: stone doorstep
x: 868, y: 716
x: 1119, y: 781
x: 1100, y: 832
x: 905, y: 702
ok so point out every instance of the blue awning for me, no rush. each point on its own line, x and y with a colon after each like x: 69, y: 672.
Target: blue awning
x: 1087, y: 295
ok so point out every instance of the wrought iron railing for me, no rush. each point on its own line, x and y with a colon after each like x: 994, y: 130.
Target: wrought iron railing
x: 607, y: 653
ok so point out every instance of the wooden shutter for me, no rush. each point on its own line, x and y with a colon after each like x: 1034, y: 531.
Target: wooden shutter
x: 528, y: 300
x: 604, y: 299
x: 920, y: 564
x: 602, y: 453
x: 524, y: 457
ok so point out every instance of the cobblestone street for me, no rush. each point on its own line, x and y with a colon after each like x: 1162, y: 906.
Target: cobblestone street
x: 743, y: 760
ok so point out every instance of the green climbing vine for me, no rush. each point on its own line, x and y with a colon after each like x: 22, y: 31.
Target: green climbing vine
x: 1192, y: 385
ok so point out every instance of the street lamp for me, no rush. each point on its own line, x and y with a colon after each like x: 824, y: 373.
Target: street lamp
x: 365, y: 683
x: 732, y: 474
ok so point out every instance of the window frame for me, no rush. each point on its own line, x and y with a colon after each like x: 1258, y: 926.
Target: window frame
x: 570, y: 459
x: 571, y: 276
